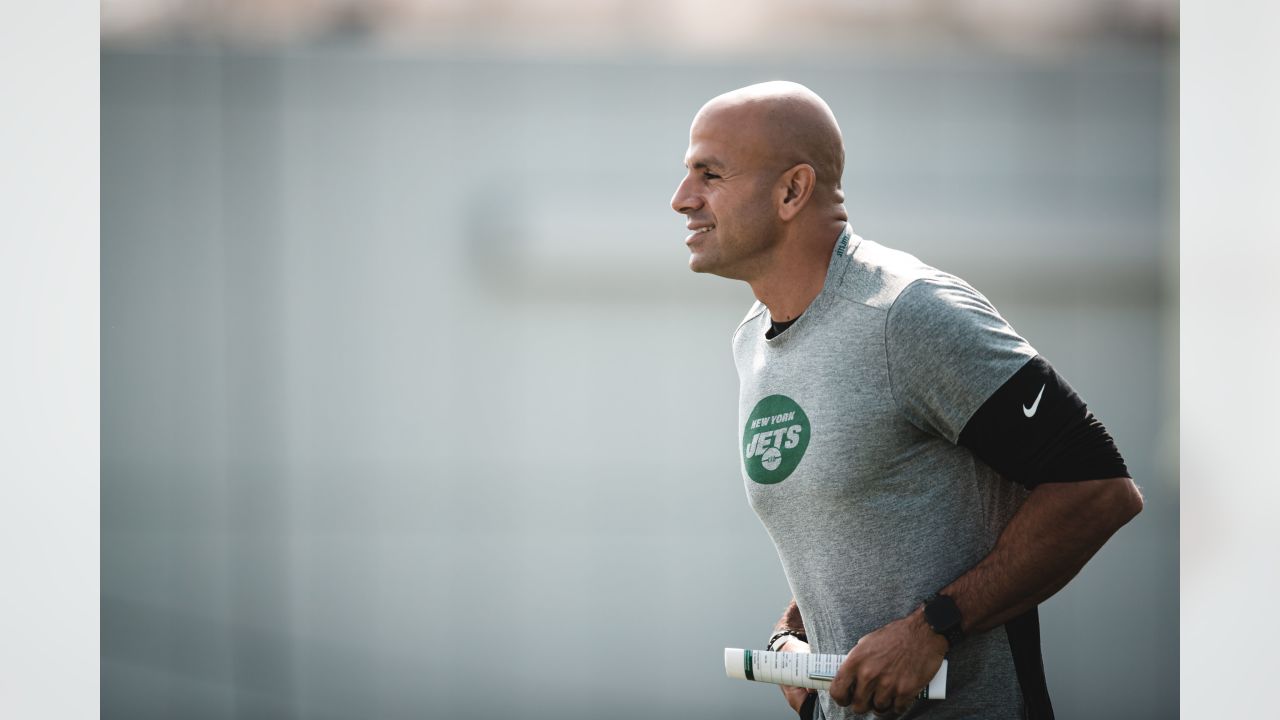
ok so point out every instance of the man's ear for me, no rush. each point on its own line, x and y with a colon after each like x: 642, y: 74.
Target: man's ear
x: 795, y: 187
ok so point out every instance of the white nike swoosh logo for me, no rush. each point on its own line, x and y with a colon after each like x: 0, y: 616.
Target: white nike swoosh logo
x: 1029, y: 411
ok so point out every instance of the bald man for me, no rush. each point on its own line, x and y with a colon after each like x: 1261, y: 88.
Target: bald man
x: 926, y: 476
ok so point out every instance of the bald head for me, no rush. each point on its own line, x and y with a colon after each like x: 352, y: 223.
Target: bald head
x: 783, y: 124
x: 761, y: 191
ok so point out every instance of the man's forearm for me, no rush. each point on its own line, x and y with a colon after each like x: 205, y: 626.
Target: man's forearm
x: 1050, y: 538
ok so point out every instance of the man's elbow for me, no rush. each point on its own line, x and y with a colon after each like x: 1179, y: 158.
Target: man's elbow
x: 1125, y: 500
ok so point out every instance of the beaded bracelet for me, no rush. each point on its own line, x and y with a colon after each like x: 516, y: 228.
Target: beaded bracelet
x: 798, y: 634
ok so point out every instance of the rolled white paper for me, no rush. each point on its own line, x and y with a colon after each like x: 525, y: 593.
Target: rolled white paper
x: 806, y: 670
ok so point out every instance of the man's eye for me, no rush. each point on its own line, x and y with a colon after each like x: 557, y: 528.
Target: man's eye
x: 710, y: 176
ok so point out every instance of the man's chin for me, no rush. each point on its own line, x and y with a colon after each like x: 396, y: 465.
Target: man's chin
x: 706, y: 266
x: 700, y: 264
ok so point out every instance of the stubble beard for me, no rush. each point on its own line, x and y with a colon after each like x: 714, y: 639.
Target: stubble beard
x: 741, y: 259
x: 742, y: 253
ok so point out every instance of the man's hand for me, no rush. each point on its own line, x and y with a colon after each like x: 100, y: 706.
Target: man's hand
x: 889, y: 667
x: 795, y: 695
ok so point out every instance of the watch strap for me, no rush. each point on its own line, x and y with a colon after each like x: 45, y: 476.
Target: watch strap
x: 943, y: 616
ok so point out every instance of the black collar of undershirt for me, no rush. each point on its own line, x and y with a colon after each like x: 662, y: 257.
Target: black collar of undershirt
x: 776, y: 328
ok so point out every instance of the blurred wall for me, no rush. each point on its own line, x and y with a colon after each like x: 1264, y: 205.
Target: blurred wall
x: 411, y: 407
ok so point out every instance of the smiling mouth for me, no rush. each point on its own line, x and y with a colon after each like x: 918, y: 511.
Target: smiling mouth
x: 699, y: 231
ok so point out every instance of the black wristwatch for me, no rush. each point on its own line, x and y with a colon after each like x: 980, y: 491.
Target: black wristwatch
x: 943, y: 616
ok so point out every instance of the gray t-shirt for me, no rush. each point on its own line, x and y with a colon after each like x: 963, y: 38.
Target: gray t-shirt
x: 849, y: 426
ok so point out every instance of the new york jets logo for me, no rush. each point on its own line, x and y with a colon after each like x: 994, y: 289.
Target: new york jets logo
x: 774, y: 439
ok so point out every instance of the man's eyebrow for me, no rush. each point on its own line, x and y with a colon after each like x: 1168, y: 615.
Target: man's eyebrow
x: 706, y: 164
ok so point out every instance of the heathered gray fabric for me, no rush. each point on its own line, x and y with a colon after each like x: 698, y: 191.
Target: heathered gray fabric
x: 888, y: 363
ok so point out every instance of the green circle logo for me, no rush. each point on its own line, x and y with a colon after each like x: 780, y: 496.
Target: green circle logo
x: 774, y: 439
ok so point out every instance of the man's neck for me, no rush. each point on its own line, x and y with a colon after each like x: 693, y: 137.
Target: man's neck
x: 796, y: 276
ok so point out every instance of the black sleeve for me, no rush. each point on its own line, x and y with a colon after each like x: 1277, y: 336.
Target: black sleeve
x: 1035, y: 429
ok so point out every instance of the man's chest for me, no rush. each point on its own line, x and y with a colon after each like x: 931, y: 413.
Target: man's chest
x: 818, y: 421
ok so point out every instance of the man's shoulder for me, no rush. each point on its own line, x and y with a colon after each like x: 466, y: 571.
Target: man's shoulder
x: 878, y: 275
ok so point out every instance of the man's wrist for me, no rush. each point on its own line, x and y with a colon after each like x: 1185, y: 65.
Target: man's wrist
x: 786, y: 642
x: 930, y: 638
x: 781, y: 637
x: 942, y: 616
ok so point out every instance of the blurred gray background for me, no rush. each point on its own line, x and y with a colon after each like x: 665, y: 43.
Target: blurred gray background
x: 412, y: 409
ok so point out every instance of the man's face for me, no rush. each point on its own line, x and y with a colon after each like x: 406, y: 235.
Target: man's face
x: 726, y: 197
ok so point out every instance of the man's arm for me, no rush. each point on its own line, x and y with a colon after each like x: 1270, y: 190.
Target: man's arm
x: 946, y: 346
x: 792, y: 621
x: 1046, y: 543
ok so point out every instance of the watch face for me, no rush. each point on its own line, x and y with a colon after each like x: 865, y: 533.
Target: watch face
x: 942, y: 614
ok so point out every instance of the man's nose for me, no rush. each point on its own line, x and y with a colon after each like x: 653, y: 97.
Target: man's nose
x: 684, y: 201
